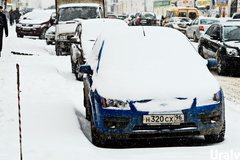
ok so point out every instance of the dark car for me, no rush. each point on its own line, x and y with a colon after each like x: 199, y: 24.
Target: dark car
x: 222, y: 42
x: 171, y: 101
x: 35, y: 23
x: 144, y: 19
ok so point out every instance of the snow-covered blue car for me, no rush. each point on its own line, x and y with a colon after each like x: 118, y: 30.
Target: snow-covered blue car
x: 149, y: 83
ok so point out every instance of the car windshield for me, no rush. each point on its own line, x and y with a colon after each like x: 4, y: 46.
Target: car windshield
x: 184, y: 20
x: 208, y: 21
x: 70, y: 13
x: 231, y: 33
x: 38, y: 15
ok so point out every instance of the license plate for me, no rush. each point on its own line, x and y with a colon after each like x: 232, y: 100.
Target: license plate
x: 26, y: 29
x: 161, y: 119
x: 143, y: 21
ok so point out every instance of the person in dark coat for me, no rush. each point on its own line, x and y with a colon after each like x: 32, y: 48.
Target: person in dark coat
x: 11, y: 17
x: 3, y: 26
x: 17, y: 15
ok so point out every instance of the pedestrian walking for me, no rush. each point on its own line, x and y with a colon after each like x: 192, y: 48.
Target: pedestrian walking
x: 17, y: 15
x: 11, y: 17
x: 3, y: 26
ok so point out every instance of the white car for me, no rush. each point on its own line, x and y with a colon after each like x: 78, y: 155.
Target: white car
x: 50, y: 35
x: 84, y: 38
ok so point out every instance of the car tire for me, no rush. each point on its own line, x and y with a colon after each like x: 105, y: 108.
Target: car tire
x: 195, y: 39
x: 58, y: 49
x: 97, y: 139
x: 42, y: 36
x: 20, y: 35
x: 200, y: 51
x: 216, y: 138
x: 49, y: 42
x: 221, y: 67
x: 78, y: 75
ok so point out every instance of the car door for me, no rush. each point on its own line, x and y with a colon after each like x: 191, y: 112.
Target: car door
x: 193, y: 27
x: 204, y: 42
x: 214, y: 43
x: 209, y: 44
x: 76, y: 47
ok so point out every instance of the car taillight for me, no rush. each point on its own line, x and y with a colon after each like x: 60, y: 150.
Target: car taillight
x: 138, y: 20
x: 201, y: 28
x: 156, y: 22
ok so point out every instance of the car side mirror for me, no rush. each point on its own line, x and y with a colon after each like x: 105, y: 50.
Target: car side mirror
x: 86, y: 69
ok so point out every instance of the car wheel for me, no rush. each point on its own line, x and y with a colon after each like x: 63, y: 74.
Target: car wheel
x: 195, y: 39
x: 58, y: 49
x: 216, y: 138
x: 42, y: 36
x: 78, y: 75
x: 48, y: 42
x: 200, y: 51
x: 221, y: 67
x: 20, y: 35
x: 97, y: 140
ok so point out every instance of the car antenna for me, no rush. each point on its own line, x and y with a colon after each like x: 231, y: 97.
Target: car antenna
x: 143, y: 31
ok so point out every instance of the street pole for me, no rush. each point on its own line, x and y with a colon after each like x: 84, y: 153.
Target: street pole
x: 145, y: 6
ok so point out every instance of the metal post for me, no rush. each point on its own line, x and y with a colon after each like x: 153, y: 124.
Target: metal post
x: 19, y: 112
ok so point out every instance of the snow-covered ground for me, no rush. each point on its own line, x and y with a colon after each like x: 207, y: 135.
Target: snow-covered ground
x: 51, y: 99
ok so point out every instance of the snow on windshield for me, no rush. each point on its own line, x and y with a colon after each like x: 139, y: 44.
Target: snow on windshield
x: 93, y: 27
x: 38, y: 15
x: 162, y: 66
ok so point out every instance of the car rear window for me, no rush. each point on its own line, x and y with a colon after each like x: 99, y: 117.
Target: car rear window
x: 149, y: 15
x: 208, y: 21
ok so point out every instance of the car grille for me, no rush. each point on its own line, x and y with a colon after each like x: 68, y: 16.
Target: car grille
x: 164, y: 127
x: 165, y: 134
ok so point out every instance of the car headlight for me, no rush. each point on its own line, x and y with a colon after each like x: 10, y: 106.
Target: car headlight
x: 19, y: 25
x: 217, y: 97
x: 114, y: 104
x: 232, y: 52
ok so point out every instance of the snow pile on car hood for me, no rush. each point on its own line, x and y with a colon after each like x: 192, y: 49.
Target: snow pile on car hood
x: 161, y: 65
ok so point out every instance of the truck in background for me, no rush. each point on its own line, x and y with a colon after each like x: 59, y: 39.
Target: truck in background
x: 69, y: 13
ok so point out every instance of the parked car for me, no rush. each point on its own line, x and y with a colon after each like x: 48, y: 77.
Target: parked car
x: 112, y: 16
x: 236, y: 16
x: 84, y: 38
x: 222, y: 42
x: 122, y: 17
x: 35, y: 23
x: 144, y: 19
x: 135, y: 93
x: 178, y: 23
x: 129, y: 17
x: 199, y: 26
x: 191, y: 13
x: 50, y: 35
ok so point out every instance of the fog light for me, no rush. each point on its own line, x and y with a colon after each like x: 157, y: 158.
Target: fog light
x: 210, y: 118
x: 116, y: 122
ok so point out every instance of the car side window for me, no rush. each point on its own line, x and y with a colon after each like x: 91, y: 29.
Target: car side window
x: 195, y: 22
x: 210, y: 30
x: 216, y: 30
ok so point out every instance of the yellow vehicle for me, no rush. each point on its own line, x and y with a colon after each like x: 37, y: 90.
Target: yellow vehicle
x: 191, y: 13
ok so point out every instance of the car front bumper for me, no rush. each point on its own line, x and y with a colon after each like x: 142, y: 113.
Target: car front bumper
x: 128, y: 124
